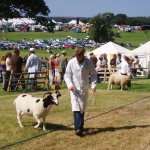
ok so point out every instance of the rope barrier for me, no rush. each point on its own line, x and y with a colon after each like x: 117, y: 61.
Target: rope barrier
x: 146, y: 146
x: 106, y: 112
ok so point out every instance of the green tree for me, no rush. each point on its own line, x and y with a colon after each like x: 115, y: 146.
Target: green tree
x: 120, y: 19
x: 36, y: 9
x: 101, y: 30
x: 85, y: 20
x: 64, y: 20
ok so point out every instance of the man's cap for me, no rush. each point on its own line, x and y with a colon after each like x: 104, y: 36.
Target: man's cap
x: 31, y: 50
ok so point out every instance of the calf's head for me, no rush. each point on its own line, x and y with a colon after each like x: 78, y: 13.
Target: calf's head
x: 52, y: 98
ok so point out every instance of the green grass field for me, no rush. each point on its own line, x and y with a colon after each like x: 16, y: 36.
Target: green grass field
x: 18, y: 36
x: 134, y: 38
x: 127, y: 128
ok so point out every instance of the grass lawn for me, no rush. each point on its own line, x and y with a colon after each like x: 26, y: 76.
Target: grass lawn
x: 126, y: 128
x: 134, y: 38
x: 29, y: 36
x: 40, y: 53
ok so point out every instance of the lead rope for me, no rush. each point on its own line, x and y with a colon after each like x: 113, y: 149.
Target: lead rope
x: 64, y: 96
x: 93, y: 103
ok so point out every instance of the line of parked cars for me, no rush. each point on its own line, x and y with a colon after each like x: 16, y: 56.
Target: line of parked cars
x: 66, y: 43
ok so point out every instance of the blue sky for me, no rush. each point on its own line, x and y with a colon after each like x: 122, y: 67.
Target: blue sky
x: 90, y: 8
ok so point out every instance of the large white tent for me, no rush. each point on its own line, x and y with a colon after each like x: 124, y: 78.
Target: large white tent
x: 110, y: 48
x: 143, y: 49
x: 143, y: 52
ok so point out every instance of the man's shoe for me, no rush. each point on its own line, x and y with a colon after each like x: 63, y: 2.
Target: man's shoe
x: 79, y: 133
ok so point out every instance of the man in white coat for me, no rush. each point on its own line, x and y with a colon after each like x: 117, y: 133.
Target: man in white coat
x: 33, y: 65
x: 124, y: 67
x: 77, y: 74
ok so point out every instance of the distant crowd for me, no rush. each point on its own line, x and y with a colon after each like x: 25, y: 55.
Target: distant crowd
x: 14, y: 63
x: 102, y: 63
x: 56, y: 65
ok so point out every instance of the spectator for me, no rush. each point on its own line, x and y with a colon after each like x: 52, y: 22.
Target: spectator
x: 49, y: 50
x: 3, y: 66
x: 8, y: 70
x: 124, y: 67
x: 33, y: 65
x: 136, y: 65
x: 51, y: 69
x: 77, y: 78
x: 113, y: 63
x: 57, y: 76
x: 118, y: 59
x: 93, y: 58
x: 102, y: 62
x: 101, y: 65
x: 62, y: 64
x: 16, y: 67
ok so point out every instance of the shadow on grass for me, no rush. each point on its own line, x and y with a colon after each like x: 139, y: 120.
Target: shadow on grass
x: 49, y: 126
x: 93, y: 131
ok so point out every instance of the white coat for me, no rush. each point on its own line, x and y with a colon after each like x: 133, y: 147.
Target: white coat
x: 33, y: 64
x: 77, y: 75
x: 124, y: 68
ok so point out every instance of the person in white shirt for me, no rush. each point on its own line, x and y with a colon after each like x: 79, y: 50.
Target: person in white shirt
x: 118, y: 59
x: 33, y: 65
x: 8, y: 70
x: 76, y: 77
x: 124, y: 67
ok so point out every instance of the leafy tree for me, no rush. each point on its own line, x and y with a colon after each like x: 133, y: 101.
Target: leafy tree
x: 85, y: 20
x: 25, y: 8
x: 108, y: 14
x: 120, y: 19
x: 101, y: 30
x: 64, y: 20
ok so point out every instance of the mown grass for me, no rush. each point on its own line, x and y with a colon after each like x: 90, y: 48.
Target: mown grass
x: 42, y: 53
x: 126, y: 128
x: 134, y: 38
x: 30, y: 36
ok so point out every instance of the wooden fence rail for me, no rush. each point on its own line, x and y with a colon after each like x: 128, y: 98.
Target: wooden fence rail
x: 23, y: 79
x: 104, y: 73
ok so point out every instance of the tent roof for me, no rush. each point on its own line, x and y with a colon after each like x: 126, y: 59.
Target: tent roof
x: 75, y: 21
x: 144, y: 49
x: 110, y: 48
